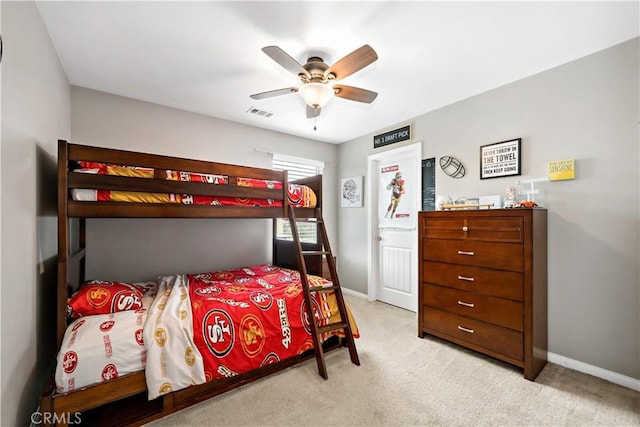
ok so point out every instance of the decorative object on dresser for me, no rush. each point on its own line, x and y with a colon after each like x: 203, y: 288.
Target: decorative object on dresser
x: 483, y: 282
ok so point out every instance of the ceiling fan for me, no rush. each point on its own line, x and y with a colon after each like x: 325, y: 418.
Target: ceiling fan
x: 317, y: 78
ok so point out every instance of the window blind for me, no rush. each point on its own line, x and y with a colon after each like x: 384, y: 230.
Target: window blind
x: 297, y: 168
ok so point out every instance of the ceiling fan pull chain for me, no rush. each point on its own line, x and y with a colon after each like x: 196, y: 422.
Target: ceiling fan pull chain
x: 315, y: 120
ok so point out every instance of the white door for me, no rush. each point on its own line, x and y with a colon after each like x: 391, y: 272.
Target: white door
x: 393, y: 237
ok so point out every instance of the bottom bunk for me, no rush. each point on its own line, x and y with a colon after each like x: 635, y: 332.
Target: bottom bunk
x: 124, y: 401
x: 139, y: 351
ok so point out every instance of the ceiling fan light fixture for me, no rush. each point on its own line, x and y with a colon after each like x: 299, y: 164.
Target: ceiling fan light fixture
x: 316, y: 94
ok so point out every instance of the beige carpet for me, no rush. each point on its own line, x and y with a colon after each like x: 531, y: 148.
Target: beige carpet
x: 407, y: 381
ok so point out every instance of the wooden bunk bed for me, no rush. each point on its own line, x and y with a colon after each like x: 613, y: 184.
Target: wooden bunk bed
x: 123, y: 400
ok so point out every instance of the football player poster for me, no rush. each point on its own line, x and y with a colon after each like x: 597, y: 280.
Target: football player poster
x: 396, y: 194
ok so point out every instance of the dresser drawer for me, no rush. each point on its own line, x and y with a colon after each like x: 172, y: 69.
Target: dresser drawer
x: 491, y: 337
x: 498, y: 283
x: 494, y: 229
x: 489, y: 309
x: 504, y: 256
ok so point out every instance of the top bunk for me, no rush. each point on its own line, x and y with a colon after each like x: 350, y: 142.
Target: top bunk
x: 96, y: 182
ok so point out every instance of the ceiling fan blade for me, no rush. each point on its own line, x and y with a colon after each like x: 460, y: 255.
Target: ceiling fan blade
x: 312, y: 112
x: 354, y: 93
x: 283, y: 58
x: 271, y: 93
x: 355, y: 61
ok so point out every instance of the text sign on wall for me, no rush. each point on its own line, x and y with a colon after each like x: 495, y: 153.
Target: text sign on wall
x: 561, y: 169
x: 500, y: 159
x: 391, y: 137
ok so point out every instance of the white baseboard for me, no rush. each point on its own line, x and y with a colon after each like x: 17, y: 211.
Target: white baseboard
x: 353, y: 293
x: 576, y: 365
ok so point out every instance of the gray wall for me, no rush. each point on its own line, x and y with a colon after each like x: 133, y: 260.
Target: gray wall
x: 586, y: 110
x: 35, y: 113
x: 147, y: 248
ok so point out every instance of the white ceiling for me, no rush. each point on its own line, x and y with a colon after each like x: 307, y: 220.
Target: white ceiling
x: 206, y: 57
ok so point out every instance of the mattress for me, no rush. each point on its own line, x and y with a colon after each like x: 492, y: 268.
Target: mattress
x: 194, y: 328
x: 298, y: 195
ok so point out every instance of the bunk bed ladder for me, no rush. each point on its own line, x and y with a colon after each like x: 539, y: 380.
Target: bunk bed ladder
x: 343, y: 324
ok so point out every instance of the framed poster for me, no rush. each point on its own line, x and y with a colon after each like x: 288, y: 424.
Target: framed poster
x: 351, y: 192
x: 500, y: 159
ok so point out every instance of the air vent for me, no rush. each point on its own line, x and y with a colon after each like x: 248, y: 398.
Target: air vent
x: 259, y: 112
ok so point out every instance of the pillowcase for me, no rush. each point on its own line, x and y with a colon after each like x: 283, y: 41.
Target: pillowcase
x: 102, y: 297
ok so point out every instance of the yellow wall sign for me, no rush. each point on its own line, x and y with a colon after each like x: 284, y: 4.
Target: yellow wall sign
x: 561, y: 169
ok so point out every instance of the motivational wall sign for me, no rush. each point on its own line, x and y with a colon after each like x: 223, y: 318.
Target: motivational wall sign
x: 561, y: 169
x: 500, y: 159
x: 391, y: 137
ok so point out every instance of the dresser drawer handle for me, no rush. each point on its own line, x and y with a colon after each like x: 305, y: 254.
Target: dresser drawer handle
x: 466, y: 304
x: 465, y: 228
x: 465, y: 253
x: 462, y: 328
x: 468, y: 279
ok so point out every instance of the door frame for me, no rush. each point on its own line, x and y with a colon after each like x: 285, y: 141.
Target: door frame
x: 372, y: 221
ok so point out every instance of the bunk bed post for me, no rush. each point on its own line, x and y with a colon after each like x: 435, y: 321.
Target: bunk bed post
x: 285, y: 201
x: 63, y: 242
x: 82, y: 233
x: 318, y: 190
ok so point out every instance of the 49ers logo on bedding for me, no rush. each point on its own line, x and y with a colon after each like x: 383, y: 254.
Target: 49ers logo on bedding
x: 109, y: 372
x: 270, y: 359
x: 125, y: 300
x: 190, y: 356
x: 208, y: 291
x: 293, y: 290
x: 98, y: 297
x: 218, y: 332
x: 223, y: 275
x: 202, y: 277
x: 69, y: 362
x: 139, y: 337
x: 243, y: 280
x: 307, y: 345
x: 235, y: 288
x: 262, y: 299
x: 295, y: 194
x: 105, y: 326
x: 303, y: 314
x: 252, y: 337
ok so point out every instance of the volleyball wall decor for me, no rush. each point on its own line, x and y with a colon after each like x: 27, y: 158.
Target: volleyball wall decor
x: 452, y: 166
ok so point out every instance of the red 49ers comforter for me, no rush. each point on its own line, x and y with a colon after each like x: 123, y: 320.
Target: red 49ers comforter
x: 220, y: 324
x: 194, y: 328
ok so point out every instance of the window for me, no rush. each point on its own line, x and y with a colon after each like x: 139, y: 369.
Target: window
x: 297, y: 167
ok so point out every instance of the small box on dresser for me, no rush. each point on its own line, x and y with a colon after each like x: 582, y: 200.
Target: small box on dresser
x: 483, y: 282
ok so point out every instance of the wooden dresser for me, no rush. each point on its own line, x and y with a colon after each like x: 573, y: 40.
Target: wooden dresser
x: 483, y: 282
